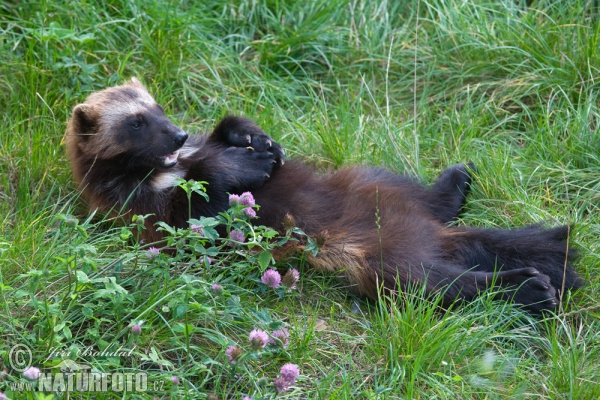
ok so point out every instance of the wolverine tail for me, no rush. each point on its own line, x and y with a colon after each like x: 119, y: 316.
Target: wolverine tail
x: 546, y: 250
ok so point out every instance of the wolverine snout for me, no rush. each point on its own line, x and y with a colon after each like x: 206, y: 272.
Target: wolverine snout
x: 179, y: 138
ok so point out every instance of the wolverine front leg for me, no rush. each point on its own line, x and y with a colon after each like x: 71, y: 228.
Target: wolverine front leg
x: 241, y: 132
x: 230, y: 170
x: 246, y: 168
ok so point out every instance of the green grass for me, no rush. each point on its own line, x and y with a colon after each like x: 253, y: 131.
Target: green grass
x: 410, y: 85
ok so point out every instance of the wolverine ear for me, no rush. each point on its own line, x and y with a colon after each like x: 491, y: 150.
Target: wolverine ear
x: 84, y: 120
x: 135, y: 82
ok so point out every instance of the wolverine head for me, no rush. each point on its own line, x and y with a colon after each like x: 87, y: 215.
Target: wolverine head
x: 124, y: 121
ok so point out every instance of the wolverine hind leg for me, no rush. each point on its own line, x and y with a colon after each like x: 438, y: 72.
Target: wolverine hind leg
x: 524, y: 286
x: 448, y: 195
x: 545, y: 250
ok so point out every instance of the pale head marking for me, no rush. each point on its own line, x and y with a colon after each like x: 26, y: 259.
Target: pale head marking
x: 116, y: 111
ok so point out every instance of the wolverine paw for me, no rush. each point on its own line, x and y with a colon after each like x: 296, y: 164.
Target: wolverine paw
x: 241, y: 132
x: 455, y: 178
x: 530, y: 288
x: 450, y: 191
x: 248, y: 168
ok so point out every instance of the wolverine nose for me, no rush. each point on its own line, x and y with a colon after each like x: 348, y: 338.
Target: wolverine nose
x: 180, y: 137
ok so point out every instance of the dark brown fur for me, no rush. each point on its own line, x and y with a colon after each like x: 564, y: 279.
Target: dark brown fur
x: 410, y: 242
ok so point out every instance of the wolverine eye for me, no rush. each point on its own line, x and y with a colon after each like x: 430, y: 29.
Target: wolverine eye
x: 136, y: 125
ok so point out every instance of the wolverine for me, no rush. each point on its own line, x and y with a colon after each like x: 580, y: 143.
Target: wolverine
x: 380, y: 229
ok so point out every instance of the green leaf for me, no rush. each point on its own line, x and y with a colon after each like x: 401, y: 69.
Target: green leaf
x: 111, y: 288
x: 82, y: 277
x: 180, y: 311
x: 263, y: 315
x: 125, y: 233
x: 67, y: 332
x: 264, y: 259
x: 210, y: 233
x: 165, y: 227
x: 186, y: 329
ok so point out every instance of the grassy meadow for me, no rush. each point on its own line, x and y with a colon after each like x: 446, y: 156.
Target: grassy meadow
x: 410, y: 85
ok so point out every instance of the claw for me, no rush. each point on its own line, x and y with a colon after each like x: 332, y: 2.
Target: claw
x: 250, y: 148
x: 248, y: 139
